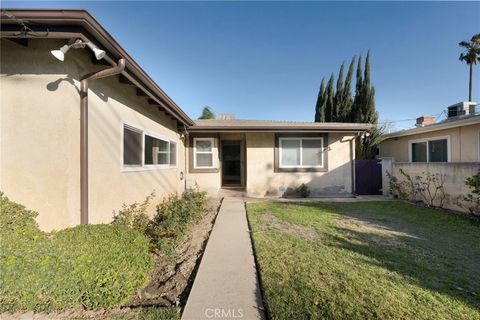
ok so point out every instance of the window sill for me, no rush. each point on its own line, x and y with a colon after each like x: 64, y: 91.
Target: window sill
x: 204, y: 170
x: 145, y: 168
x: 302, y: 169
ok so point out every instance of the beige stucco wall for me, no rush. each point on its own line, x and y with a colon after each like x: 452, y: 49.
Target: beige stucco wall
x: 40, y: 147
x: 454, y: 176
x: 464, y: 143
x: 211, y: 182
x: 262, y: 181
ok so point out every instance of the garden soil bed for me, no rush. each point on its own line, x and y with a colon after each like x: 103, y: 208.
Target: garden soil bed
x: 172, y: 277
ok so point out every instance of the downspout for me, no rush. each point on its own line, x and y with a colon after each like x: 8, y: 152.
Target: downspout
x: 352, y: 160
x: 84, y: 81
x: 187, y: 150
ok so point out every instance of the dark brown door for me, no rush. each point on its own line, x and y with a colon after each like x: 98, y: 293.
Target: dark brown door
x: 231, y: 163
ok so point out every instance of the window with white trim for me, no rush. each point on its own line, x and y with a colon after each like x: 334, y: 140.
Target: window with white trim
x: 301, y: 152
x: 203, y: 153
x: 141, y: 149
x: 430, y: 150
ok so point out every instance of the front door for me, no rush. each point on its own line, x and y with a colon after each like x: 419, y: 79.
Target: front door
x: 232, y: 163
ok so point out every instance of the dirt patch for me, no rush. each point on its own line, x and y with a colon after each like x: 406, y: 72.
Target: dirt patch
x: 389, y: 233
x: 272, y: 222
x: 171, y: 277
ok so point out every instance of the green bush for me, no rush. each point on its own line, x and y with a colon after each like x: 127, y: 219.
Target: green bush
x: 473, y: 197
x: 15, y: 217
x: 303, y: 191
x: 134, y: 216
x: 88, y: 266
x: 174, y: 215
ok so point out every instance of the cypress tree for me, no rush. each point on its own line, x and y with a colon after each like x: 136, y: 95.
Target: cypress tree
x: 366, y: 75
x: 337, y: 110
x: 347, y: 93
x: 329, y: 99
x: 356, y: 114
x: 369, y: 115
x: 336, y: 104
x: 320, y: 106
x: 372, y: 114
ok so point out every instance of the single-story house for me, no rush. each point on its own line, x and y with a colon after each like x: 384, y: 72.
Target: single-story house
x: 84, y: 135
x: 448, y: 151
x: 456, y: 139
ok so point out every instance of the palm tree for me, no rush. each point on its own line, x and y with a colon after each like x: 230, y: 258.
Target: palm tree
x: 471, y: 56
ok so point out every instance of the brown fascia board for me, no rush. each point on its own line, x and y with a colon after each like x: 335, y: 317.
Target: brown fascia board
x: 273, y: 129
x: 71, y: 23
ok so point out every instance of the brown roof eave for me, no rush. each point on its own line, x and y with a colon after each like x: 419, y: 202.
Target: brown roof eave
x: 290, y: 129
x: 66, y: 23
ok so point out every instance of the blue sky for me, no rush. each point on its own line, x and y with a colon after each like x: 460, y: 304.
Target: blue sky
x: 265, y: 60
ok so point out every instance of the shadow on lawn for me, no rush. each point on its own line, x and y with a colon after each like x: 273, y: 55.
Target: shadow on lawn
x: 445, y: 260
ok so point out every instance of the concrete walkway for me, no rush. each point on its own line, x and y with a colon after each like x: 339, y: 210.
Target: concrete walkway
x: 226, y: 285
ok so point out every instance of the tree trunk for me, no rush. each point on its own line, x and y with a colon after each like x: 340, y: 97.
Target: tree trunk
x: 470, y: 83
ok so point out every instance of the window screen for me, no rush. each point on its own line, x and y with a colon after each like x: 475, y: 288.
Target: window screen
x: 312, y: 152
x: 290, y: 152
x: 173, y: 153
x: 132, y: 147
x: 437, y: 151
x: 419, y: 152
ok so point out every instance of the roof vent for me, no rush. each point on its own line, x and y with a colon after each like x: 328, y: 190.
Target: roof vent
x: 464, y: 108
x: 225, y: 116
x: 425, y: 121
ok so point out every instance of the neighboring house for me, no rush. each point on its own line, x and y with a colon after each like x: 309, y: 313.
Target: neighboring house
x: 456, y: 139
x: 75, y: 150
x: 448, y: 150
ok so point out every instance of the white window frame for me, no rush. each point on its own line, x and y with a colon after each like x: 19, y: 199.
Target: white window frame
x: 143, y: 166
x: 426, y: 140
x: 211, y: 140
x: 280, y: 151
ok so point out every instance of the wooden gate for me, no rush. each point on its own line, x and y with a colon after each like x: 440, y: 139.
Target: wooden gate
x: 368, y: 177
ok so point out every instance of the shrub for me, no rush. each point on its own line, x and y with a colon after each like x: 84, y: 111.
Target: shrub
x: 473, y: 197
x: 88, y: 266
x: 429, y: 187
x: 134, y: 216
x: 171, y: 221
x: 303, y: 190
x: 174, y: 215
x: 16, y: 217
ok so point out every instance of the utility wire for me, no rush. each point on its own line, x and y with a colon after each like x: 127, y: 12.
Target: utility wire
x: 25, y: 29
x: 437, y: 116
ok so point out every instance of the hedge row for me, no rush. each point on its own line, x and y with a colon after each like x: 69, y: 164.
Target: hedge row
x: 88, y: 266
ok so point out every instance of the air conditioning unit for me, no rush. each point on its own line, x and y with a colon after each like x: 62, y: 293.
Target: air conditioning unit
x: 464, y: 108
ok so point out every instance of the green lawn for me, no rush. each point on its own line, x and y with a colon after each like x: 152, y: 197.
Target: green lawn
x: 371, y: 260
